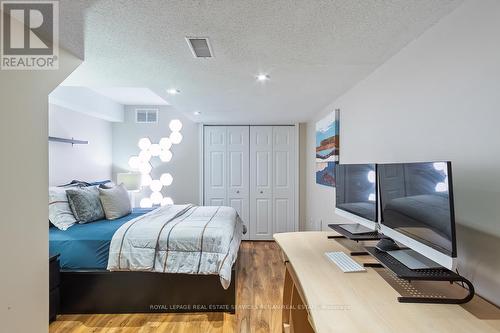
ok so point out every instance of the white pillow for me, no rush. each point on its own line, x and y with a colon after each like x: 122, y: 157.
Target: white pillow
x: 60, y: 214
x: 115, y: 202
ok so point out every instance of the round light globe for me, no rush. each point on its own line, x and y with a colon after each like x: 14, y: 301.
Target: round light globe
x: 156, y: 198
x: 145, y: 168
x: 146, y: 203
x: 175, y: 125
x: 165, y: 155
x: 134, y: 162
x: 144, y: 143
x: 166, y: 179
x: 146, y: 180
x: 145, y: 156
x: 165, y: 143
x: 156, y: 185
x: 167, y: 201
x: 176, y: 137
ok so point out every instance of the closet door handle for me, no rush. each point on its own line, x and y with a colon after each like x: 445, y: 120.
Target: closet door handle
x: 261, y: 192
x: 238, y: 192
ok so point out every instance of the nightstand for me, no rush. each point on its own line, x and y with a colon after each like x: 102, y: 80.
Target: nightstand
x: 54, y: 290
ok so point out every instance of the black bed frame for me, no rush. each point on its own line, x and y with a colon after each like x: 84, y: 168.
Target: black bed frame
x: 104, y: 292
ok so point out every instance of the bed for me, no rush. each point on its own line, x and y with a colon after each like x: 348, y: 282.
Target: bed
x: 178, y: 258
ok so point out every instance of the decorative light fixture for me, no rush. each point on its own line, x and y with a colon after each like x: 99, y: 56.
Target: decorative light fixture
x: 165, y: 143
x: 165, y: 155
x: 176, y: 137
x: 197, y: 113
x: 146, y: 203
x: 263, y: 77
x: 155, y: 149
x: 145, y: 168
x: 145, y: 156
x: 173, y: 91
x: 156, y: 185
x: 167, y: 201
x: 146, y: 180
x: 144, y: 143
x: 166, y: 179
x: 134, y: 162
x: 175, y: 125
x: 156, y: 198
x: 141, y: 163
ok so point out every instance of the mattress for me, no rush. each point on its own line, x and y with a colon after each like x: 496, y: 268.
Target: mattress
x: 86, y: 246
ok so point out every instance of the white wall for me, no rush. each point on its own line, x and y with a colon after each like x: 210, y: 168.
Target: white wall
x: 184, y: 165
x: 437, y: 99
x: 86, y: 101
x: 90, y: 162
x: 23, y: 195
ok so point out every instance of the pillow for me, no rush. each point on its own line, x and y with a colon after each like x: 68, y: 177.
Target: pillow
x: 60, y: 214
x: 115, y: 201
x: 85, y: 204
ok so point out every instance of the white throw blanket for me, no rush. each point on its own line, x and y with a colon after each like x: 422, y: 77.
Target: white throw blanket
x: 179, y: 239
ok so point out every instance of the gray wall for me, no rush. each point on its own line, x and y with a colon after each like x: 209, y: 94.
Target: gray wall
x: 83, y: 162
x: 184, y: 165
x: 437, y: 99
x: 24, y: 295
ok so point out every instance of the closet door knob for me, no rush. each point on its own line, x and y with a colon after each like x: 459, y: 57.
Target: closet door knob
x: 238, y: 191
x: 261, y: 192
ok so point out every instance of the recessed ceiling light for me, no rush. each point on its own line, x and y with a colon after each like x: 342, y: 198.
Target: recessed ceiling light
x: 197, y: 113
x: 173, y: 91
x: 263, y: 77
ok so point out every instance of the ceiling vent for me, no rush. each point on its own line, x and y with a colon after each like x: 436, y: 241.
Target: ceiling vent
x: 200, y: 47
x: 146, y: 116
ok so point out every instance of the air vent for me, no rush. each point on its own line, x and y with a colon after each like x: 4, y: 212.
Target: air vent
x: 145, y: 116
x: 200, y: 47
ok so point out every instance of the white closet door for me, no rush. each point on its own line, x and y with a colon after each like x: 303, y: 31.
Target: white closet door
x: 283, y: 179
x: 238, y: 164
x: 215, y: 175
x: 261, y: 182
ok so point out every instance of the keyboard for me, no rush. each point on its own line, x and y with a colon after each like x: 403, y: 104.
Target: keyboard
x: 344, y: 262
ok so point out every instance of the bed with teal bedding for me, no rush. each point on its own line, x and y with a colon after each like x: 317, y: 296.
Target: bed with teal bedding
x: 86, y: 246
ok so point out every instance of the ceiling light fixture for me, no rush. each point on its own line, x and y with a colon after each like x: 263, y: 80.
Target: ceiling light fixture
x: 173, y: 91
x: 197, y: 113
x: 263, y: 77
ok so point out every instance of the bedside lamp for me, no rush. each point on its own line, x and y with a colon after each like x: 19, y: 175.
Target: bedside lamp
x: 132, y: 182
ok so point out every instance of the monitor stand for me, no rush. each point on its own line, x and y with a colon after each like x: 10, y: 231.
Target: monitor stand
x: 402, y: 271
x: 406, y: 256
x: 355, y: 228
x: 413, y: 259
x: 370, y: 235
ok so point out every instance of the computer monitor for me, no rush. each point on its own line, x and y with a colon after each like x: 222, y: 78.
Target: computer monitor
x: 417, y: 210
x: 356, y: 193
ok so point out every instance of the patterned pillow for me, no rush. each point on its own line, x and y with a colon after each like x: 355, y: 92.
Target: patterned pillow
x: 60, y: 214
x: 115, y: 201
x: 85, y: 204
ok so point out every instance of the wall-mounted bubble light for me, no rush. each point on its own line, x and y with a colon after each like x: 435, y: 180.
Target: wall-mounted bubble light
x: 141, y: 163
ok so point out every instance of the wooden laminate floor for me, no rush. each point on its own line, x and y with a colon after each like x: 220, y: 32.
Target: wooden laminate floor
x: 259, y: 290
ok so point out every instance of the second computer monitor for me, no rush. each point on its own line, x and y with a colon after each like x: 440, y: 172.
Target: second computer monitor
x: 356, y: 193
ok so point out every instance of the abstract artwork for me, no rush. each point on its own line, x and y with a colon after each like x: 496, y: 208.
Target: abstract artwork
x: 327, y: 148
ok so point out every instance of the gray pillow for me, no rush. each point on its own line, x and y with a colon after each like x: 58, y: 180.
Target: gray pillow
x: 115, y: 202
x: 85, y: 204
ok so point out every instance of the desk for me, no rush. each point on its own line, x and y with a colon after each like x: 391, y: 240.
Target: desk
x: 319, y: 297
